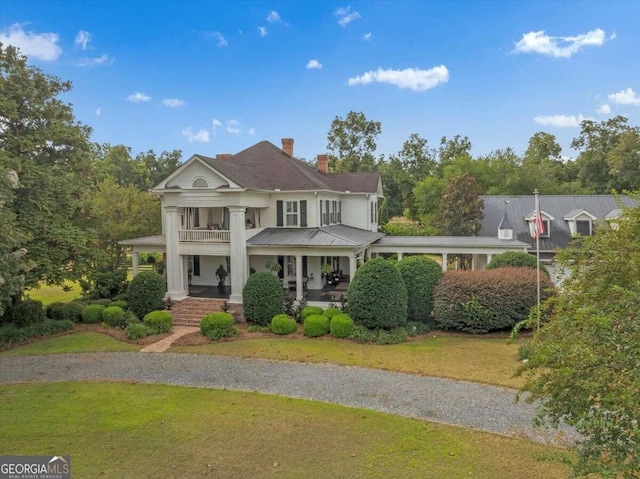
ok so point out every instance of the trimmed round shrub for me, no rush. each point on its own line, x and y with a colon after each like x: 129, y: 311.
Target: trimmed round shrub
x: 25, y: 313
x: 120, y: 297
x: 139, y: 331
x: 218, y: 325
x: 515, y: 259
x: 103, y: 301
x: 50, y: 307
x: 115, y: 316
x: 146, y: 293
x: 262, y: 298
x: 159, y: 321
x: 92, y: 313
x: 283, y: 324
x: 377, y: 296
x: 420, y: 275
x: 490, y: 300
x: 67, y: 311
x: 310, y: 311
x: 341, y: 326
x: 331, y: 312
x: 120, y: 304
x: 316, y: 325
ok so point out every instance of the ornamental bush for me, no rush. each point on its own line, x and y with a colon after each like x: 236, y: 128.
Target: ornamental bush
x: 420, y: 275
x: 103, y: 301
x: 341, y: 325
x: 159, y: 321
x: 515, y: 259
x: 483, y: 301
x: 139, y: 331
x: 120, y: 304
x: 146, y: 293
x: 331, y: 312
x: 218, y: 325
x: 316, y: 325
x: 283, y: 324
x: 24, y: 313
x: 115, y: 316
x: 10, y: 333
x: 378, y: 336
x: 310, y: 311
x: 262, y: 298
x: 67, y: 311
x: 92, y: 313
x: 377, y: 296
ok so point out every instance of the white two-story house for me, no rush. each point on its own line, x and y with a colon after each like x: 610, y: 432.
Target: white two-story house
x: 261, y: 209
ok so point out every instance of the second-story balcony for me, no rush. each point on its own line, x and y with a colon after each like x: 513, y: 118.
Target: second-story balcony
x: 204, y: 236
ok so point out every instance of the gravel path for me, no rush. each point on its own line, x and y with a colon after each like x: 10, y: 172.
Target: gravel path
x: 458, y: 403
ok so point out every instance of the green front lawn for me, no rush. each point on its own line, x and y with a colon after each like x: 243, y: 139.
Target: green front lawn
x: 73, y: 343
x: 54, y: 294
x: 153, y: 431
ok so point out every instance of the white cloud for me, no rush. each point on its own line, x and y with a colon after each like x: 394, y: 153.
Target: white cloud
x: 96, y: 61
x: 414, y: 79
x: 346, y: 15
x: 216, y: 124
x: 604, y: 109
x: 252, y: 131
x: 82, y: 39
x: 232, y: 127
x: 366, y: 37
x: 262, y: 31
x: 41, y: 46
x: 314, y: 64
x: 625, y: 97
x: 561, y: 121
x: 274, y: 17
x: 559, y: 47
x: 172, y: 102
x: 138, y: 97
x: 219, y: 37
x: 201, y: 136
x: 99, y: 111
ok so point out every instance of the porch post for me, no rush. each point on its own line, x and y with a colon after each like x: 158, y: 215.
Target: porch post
x: 444, y: 261
x: 474, y: 262
x: 174, y: 264
x: 489, y: 258
x: 238, y: 252
x: 134, y: 261
x: 299, y: 287
x: 399, y: 256
x: 353, y: 265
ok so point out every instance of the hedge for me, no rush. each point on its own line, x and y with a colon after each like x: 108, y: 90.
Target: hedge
x: 515, y: 259
x: 420, y: 275
x: 341, y: 325
x: 262, y: 298
x: 310, y: 311
x: 218, y: 325
x: 377, y: 296
x: 159, y: 321
x: 115, y: 316
x: 283, y: 324
x: 71, y: 311
x: 316, y: 325
x: 12, y: 334
x: 490, y: 300
x: 378, y: 336
x: 92, y: 313
x: 24, y: 313
x: 146, y: 293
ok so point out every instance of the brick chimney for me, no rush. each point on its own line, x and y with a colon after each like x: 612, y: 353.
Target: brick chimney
x: 287, y: 146
x: 323, y: 164
x: 223, y: 156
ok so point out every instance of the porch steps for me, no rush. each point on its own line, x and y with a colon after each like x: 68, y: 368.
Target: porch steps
x: 190, y: 311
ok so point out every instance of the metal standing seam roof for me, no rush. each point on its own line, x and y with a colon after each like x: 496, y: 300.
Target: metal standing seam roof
x: 337, y: 235
x: 157, y: 240
x: 451, y: 241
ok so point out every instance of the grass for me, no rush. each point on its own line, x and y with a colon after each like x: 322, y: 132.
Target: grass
x: 485, y: 360
x: 153, y: 431
x: 53, y: 294
x: 72, y: 343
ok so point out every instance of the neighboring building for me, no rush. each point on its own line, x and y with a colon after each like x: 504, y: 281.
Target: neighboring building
x: 262, y: 209
x: 563, y: 216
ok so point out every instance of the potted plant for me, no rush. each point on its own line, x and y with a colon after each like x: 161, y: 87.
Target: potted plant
x: 222, y: 274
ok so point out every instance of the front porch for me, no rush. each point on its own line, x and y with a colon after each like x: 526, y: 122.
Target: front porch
x: 328, y: 294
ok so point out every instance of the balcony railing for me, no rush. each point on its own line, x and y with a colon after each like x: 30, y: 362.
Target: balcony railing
x: 204, y: 236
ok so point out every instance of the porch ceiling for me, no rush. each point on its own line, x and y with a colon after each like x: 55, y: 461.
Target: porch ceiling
x: 333, y: 236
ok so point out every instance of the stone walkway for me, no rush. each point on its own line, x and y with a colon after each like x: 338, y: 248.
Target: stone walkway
x: 164, y: 344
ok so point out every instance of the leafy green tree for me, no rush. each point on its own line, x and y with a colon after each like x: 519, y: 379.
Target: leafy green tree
x: 427, y: 195
x: 395, y: 181
x: 49, y: 151
x: 584, y: 367
x: 624, y: 162
x: 352, y: 143
x: 451, y: 149
x: 460, y: 209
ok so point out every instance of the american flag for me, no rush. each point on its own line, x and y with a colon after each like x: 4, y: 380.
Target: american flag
x: 538, y: 224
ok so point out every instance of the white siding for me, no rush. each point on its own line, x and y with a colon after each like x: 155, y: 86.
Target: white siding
x: 197, y: 170
x: 355, y: 211
x: 269, y: 215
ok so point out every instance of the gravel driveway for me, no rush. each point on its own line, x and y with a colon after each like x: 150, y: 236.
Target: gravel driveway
x: 458, y: 403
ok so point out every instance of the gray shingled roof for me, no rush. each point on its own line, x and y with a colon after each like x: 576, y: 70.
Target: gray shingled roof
x: 557, y: 206
x: 336, y: 235
x: 264, y: 166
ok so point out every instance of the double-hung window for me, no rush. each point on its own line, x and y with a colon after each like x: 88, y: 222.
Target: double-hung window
x: 291, y: 217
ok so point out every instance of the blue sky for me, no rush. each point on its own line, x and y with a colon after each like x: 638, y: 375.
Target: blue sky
x: 217, y: 77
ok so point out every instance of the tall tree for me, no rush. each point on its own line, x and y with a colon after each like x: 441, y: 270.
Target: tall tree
x: 352, y: 143
x: 451, y: 149
x: 460, y: 209
x: 49, y: 151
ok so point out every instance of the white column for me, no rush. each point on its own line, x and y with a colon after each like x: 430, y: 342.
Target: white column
x: 238, y: 251
x: 299, y: 288
x: 489, y: 258
x: 353, y: 265
x: 474, y: 262
x: 134, y: 261
x: 176, y: 288
x: 400, y: 256
x: 185, y: 272
x: 444, y: 261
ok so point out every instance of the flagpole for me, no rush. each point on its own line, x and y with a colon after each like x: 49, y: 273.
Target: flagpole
x: 537, y: 233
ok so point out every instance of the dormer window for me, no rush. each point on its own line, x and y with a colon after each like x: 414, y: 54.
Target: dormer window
x: 546, y: 218
x: 200, y: 183
x: 580, y: 222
